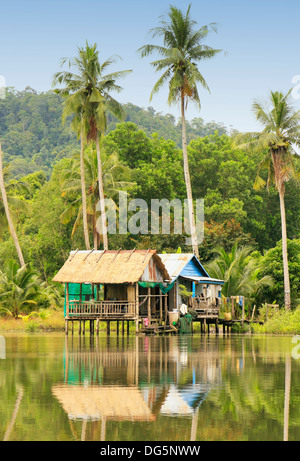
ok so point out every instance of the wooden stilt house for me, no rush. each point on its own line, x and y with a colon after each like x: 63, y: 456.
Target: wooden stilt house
x: 133, y: 282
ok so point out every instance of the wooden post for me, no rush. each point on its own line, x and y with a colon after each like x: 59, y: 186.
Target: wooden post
x: 137, y: 313
x: 204, y: 325
x: 66, y: 326
x: 253, y: 312
x: 149, y: 304
x: 208, y: 327
x: 160, y: 309
x: 243, y: 310
x: 79, y: 328
x: 97, y: 327
x: 83, y: 327
x: 67, y: 301
x: 123, y: 328
x: 72, y: 327
x: 117, y: 327
x: 108, y: 327
x: 232, y: 306
x: 217, y: 326
x: 166, y: 308
x: 127, y: 327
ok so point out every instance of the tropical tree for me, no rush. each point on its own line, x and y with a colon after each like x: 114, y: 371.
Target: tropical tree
x: 240, y: 273
x: 281, y: 132
x: 182, y: 49
x: 20, y: 289
x: 89, y: 95
x: 8, y: 214
x: 115, y: 177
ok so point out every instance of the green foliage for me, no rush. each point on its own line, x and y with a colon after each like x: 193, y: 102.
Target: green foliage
x: 239, y: 271
x: 271, y: 264
x: 280, y: 322
x: 20, y: 289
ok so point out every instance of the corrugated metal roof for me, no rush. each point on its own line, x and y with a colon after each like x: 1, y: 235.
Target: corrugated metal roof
x: 176, y: 263
x: 110, y: 266
x: 204, y: 280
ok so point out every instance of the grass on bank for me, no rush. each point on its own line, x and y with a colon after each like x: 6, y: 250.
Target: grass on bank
x: 46, y: 320
x: 279, y: 322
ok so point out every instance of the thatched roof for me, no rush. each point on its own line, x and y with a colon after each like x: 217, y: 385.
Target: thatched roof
x: 110, y: 266
x: 97, y: 402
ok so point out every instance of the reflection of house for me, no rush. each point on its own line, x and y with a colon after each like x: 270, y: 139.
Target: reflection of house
x: 99, y: 402
x: 186, y: 270
x: 183, y: 401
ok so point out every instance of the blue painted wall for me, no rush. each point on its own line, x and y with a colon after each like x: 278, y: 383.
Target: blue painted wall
x: 193, y: 268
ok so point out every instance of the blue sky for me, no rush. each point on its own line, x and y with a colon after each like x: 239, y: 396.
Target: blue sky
x: 261, y: 40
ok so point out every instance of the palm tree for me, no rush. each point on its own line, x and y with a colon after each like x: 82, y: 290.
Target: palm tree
x: 239, y: 272
x: 90, y: 97
x: 8, y: 215
x: 70, y: 176
x: 281, y: 132
x: 20, y: 288
x: 181, y: 51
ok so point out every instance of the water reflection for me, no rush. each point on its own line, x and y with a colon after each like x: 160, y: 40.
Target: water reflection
x: 149, y: 388
x: 158, y: 376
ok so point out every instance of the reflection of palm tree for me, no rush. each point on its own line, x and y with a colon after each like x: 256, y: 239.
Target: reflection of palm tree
x: 14, y: 415
x: 287, y: 390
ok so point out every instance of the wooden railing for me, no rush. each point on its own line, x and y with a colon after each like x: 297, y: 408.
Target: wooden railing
x: 101, y: 309
x: 205, y: 308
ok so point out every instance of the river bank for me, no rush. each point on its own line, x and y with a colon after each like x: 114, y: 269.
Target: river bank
x: 279, y: 322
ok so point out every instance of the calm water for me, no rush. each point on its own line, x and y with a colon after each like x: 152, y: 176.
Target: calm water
x: 150, y: 389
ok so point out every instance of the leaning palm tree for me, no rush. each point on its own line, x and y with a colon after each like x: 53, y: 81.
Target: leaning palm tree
x: 8, y: 214
x: 182, y: 49
x: 91, y: 89
x: 281, y: 132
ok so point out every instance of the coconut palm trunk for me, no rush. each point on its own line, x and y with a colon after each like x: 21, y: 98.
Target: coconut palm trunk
x: 286, y: 277
x: 8, y: 216
x: 101, y: 195
x: 187, y: 179
x: 83, y: 193
x: 278, y: 156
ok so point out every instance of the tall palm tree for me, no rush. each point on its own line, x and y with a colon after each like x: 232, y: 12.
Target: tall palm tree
x: 281, y: 132
x: 182, y: 49
x: 8, y: 215
x: 74, y: 106
x: 90, y: 95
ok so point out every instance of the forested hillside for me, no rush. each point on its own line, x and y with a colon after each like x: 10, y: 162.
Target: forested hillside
x: 34, y: 138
